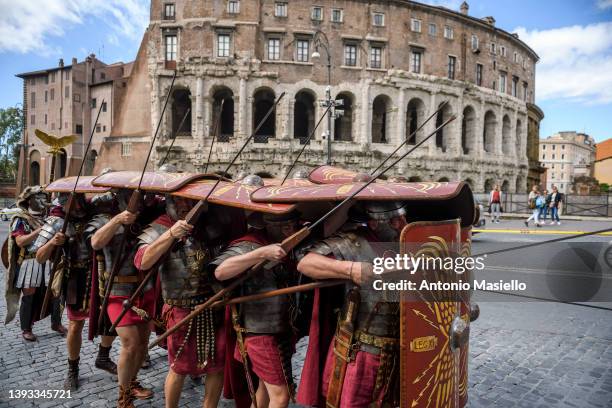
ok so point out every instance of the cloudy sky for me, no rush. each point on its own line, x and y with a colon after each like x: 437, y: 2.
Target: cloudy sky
x: 572, y: 37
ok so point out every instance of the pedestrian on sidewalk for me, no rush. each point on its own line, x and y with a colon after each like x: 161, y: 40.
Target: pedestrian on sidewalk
x: 555, y: 202
x: 495, y: 199
x: 535, y: 202
x: 544, y: 209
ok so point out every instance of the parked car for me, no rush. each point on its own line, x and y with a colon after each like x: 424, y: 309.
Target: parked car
x: 7, y: 212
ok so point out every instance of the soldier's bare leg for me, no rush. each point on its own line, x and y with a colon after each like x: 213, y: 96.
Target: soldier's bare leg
x: 261, y: 395
x: 172, y: 388
x: 212, y: 389
x: 279, y: 395
x: 74, y: 338
x: 130, y: 356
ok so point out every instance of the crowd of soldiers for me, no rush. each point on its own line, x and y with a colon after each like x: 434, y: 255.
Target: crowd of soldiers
x: 223, y: 245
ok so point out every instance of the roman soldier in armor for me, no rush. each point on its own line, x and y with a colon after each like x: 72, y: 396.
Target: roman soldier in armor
x: 25, y: 275
x: 73, y: 279
x: 106, y: 232
x: 264, y: 329
x: 183, y: 252
x: 361, y: 368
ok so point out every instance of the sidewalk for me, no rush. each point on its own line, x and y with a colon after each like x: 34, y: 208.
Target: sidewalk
x: 562, y: 217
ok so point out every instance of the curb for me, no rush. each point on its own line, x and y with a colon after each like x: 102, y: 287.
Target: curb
x: 563, y: 217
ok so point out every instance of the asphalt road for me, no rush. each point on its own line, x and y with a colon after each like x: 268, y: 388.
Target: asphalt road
x: 523, y: 353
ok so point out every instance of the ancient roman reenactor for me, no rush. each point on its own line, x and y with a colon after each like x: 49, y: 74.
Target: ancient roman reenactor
x: 106, y: 232
x: 361, y: 367
x: 198, y: 347
x: 264, y: 328
x: 25, y: 275
x: 72, y: 280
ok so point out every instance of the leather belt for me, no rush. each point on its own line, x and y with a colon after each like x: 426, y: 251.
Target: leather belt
x: 194, y: 301
x: 78, y: 264
x: 123, y: 278
x: 371, y: 341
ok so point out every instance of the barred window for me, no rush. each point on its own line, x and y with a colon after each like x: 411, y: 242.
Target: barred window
x: 452, y: 61
x: 515, y: 81
x: 479, y: 74
x: 350, y: 55
x: 171, y: 47
x: 126, y: 149
x: 433, y: 29
x: 336, y: 16
x: 378, y: 19
x: 169, y: 11
x: 376, y: 57
x: 223, y: 45
x: 280, y: 9
x: 448, y: 32
x: 233, y: 6
x: 415, y: 63
x: 273, y: 48
x: 303, y: 47
x: 474, y: 42
x: 317, y: 13
x: 502, y: 82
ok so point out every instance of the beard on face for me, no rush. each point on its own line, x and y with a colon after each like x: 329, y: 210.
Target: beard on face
x: 37, y: 203
x: 385, y: 232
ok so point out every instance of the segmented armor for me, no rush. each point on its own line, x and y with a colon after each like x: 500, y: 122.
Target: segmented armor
x: 30, y: 273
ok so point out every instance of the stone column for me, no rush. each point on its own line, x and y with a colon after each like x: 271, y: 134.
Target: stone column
x: 365, y: 114
x: 431, y: 126
x: 513, y: 150
x: 499, y: 141
x: 198, y: 110
x: 453, y: 131
x: 242, y: 109
x: 284, y: 117
x: 207, y: 114
x: 400, y: 135
x: 479, y: 131
x: 155, y: 112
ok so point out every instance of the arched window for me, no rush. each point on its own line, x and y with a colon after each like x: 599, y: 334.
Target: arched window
x: 34, y: 173
x: 63, y: 163
x: 506, y: 137
x: 441, y: 135
x: 223, y: 96
x: 90, y: 162
x: 263, y: 100
x: 505, y: 186
x: 518, y: 138
x: 489, y: 185
x: 380, y: 119
x: 303, y: 115
x: 181, y: 104
x: 488, y: 137
x: 415, y: 113
x: 443, y: 179
x: 414, y: 179
x: 468, y: 130
x: 343, y: 125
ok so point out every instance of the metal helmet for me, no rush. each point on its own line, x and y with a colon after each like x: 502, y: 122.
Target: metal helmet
x: 242, y: 174
x: 384, y: 210
x: 278, y: 219
x: 168, y: 168
x: 362, y: 177
x: 30, y: 191
x: 107, y: 170
x: 301, y: 174
x: 398, y: 179
x: 252, y: 180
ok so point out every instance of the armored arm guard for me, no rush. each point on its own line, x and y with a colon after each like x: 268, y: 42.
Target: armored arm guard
x: 52, y: 226
x: 239, y: 248
x: 150, y: 234
x: 97, y: 222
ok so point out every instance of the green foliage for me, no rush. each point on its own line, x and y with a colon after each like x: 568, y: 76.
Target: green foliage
x: 11, y: 129
x: 604, y: 187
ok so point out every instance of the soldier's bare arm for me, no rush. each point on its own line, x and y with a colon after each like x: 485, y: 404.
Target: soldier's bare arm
x: 157, y: 249
x: 44, y: 253
x: 318, y: 266
x: 235, y: 265
x: 104, y: 235
x: 27, y: 239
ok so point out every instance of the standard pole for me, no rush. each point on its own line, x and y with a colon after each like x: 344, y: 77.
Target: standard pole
x: 329, y: 112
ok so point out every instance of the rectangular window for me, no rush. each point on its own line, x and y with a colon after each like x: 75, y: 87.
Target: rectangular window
x: 303, y: 47
x: 448, y: 32
x: 98, y: 128
x: 273, y: 48
x: 126, y: 149
x: 52, y: 94
x: 102, y: 76
x: 337, y: 16
x: 169, y: 11
x: 376, y: 57
x: 280, y: 9
x: 53, y: 77
x: 350, y: 55
x: 433, y: 29
x: 233, y: 6
x: 543, y: 147
x: 76, y: 97
x: 104, y: 107
x: 316, y: 14
x: 474, y: 42
x: 415, y: 62
x: 46, y: 96
x: 493, y: 50
x: 378, y: 19
x: 554, y: 147
x: 33, y: 100
x: 525, y: 91
x: 67, y: 77
x: 502, y: 49
x: 562, y: 156
x: 452, y: 62
x: 515, y: 81
x: 45, y: 118
x: 33, y: 120
x: 223, y: 45
x: 94, y: 103
x: 78, y: 129
x: 171, y: 47
x: 562, y: 147
x: 502, y: 82
x: 415, y: 25
x: 515, y: 57
x: 67, y: 92
x: 479, y: 74
x: 543, y: 156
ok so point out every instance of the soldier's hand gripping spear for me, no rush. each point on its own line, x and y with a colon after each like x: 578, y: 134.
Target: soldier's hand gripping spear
x: 67, y: 214
x: 192, y: 217
x: 133, y: 208
x: 288, y: 244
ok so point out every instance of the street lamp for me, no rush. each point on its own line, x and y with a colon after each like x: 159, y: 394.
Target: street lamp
x: 320, y: 40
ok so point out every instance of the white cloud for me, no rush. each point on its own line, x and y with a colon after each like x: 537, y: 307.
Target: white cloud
x: 25, y: 26
x: 604, y: 4
x: 575, y: 62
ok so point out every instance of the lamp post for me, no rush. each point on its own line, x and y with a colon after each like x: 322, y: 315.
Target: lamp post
x: 320, y: 40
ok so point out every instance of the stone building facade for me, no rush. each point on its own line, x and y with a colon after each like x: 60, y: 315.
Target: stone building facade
x: 64, y: 101
x: 392, y: 63
x: 567, y: 156
x: 602, y: 168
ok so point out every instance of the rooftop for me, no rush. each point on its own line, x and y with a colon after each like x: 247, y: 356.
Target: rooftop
x: 603, y: 150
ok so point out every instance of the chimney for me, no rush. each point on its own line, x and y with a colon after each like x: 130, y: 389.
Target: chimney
x: 74, y: 61
x: 61, y: 63
x: 489, y: 20
x: 464, y: 8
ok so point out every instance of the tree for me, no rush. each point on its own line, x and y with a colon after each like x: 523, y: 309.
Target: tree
x: 11, y: 129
